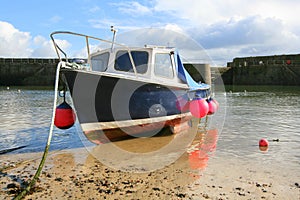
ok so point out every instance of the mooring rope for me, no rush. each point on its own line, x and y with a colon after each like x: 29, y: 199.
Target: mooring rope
x: 41, y: 165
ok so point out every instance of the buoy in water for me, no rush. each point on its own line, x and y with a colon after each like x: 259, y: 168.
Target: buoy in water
x: 212, y: 106
x: 263, y: 143
x: 199, y: 107
x: 64, y: 116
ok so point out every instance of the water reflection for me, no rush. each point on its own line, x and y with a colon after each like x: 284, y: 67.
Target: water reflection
x: 145, y: 154
x: 202, y: 149
x: 176, y: 166
x: 168, y: 176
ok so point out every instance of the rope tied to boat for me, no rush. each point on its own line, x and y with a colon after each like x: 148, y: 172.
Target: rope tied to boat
x: 46, y: 150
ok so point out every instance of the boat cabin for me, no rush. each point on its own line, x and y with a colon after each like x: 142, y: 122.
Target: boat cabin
x: 151, y: 62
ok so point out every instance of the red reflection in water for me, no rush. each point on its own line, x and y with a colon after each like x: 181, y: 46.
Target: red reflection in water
x: 199, y: 157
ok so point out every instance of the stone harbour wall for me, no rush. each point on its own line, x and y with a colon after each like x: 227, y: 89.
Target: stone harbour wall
x: 265, y: 70
x: 27, y: 71
x: 260, y: 70
x: 41, y: 72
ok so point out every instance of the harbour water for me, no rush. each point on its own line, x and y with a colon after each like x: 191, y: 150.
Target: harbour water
x: 269, y: 112
x: 252, y: 113
x: 25, y: 116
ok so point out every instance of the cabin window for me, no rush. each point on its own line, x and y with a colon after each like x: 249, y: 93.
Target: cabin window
x: 140, y: 59
x: 163, y: 65
x: 100, y: 62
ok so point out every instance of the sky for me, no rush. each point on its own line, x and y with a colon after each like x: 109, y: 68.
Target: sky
x: 224, y: 29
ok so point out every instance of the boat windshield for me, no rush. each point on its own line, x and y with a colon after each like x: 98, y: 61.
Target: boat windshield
x: 140, y: 59
x: 100, y: 62
x: 163, y: 65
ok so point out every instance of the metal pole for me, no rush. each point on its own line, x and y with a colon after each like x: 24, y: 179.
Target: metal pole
x: 114, y: 37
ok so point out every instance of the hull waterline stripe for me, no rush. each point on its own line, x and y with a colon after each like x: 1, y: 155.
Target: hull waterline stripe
x: 127, y: 123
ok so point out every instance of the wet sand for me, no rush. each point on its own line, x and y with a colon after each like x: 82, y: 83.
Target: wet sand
x: 75, y: 174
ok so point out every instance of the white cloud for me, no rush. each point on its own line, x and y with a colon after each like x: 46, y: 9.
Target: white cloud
x: 14, y: 43
x: 206, y: 12
x: 132, y: 8
x: 232, y: 28
x: 287, y: 11
x: 251, y: 30
x: 82, y: 53
x: 195, y: 11
x: 45, y: 48
x: 249, y: 37
x: 174, y: 27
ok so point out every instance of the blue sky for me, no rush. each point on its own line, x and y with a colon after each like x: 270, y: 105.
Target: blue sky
x: 225, y: 29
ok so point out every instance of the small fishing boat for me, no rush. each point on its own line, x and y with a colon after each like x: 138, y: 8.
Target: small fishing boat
x: 121, y: 90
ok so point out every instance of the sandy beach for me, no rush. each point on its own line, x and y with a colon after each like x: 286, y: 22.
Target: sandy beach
x: 75, y: 174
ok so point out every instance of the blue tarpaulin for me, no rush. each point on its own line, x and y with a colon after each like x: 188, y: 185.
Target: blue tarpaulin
x: 186, y: 77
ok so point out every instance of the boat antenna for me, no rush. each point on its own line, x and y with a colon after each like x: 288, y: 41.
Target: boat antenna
x: 114, y: 36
